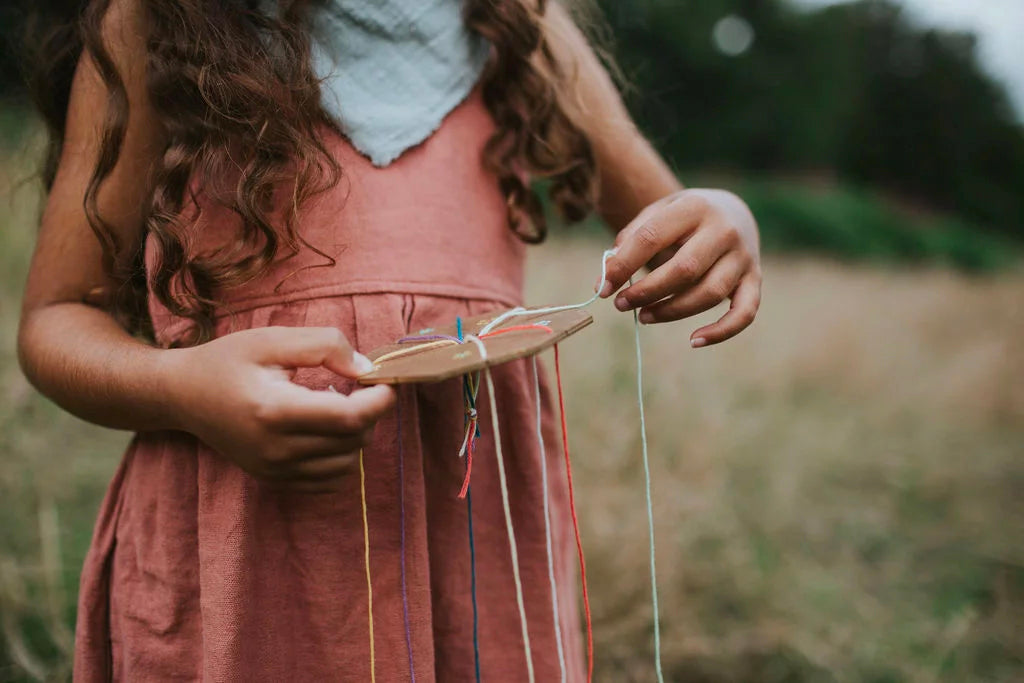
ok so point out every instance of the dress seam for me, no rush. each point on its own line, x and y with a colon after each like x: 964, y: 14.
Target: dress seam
x: 233, y: 307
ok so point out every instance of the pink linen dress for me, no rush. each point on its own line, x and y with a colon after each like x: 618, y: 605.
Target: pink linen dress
x: 198, y: 571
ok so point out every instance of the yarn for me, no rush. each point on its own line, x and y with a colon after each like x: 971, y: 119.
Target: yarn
x: 519, y: 310
x: 366, y: 558
x: 472, y: 425
x: 470, y: 384
x: 575, y: 520
x: 472, y: 586
x: 507, y: 509
x: 647, y: 492
x: 471, y: 387
x: 546, y: 498
x: 443, y: 341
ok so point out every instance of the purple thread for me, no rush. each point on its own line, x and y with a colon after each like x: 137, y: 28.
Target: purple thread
x: 401, y: 505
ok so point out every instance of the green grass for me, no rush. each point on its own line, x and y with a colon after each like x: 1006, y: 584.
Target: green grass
x: 53, y: 472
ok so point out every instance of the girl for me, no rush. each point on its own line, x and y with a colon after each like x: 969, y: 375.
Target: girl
x: 260, y: 189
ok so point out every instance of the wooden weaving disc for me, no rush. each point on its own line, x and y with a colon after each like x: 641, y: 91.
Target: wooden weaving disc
x: 443, y: 361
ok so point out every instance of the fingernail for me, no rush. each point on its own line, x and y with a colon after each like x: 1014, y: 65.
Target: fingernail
x: 362, y: 364
x: 698, y: 342
x: 622, y: 303
x: 597, y: 284
x: 606, y: 289
x: 646, y: 317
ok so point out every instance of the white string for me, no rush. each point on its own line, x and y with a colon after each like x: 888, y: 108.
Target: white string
x: 547, y: 521
x: 465, y: 439
x: 519, y: 310
x: 507, y: 508
x: 647, y: 490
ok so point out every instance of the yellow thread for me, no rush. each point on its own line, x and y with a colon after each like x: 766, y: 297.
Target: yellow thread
x: 366, y: 555
x: 413, y: 349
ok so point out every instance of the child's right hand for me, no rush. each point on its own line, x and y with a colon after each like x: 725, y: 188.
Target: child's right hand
x: 235, y: 393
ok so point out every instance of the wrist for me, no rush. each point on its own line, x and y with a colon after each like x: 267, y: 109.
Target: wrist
x: 171, y: 378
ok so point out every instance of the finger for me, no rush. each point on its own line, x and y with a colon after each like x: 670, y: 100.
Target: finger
x: 687, y: 267
x: 649, y: 211
x: 645, y: 236
x: 711, y: 290
x: 311, y: 347
x: 745, y: 302
x: 295, y: 409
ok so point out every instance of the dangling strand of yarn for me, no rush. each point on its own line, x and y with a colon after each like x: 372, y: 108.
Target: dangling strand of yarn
x: 647, y: 492
x: 472, y: 587
x: 401, y: 516
x: 547, y: 520
x: 507, y: 509
x: 469, y: 390
x: 366, y: 558
x: 472, y: 424
x: 470, y: 420
x: 575, y: 520
x: 473, y: 431
x: 472, y: 428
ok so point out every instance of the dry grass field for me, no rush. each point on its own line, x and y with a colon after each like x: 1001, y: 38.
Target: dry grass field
x: 839, y: 492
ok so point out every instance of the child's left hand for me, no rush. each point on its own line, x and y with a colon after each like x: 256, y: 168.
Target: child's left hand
x: 702, y: 246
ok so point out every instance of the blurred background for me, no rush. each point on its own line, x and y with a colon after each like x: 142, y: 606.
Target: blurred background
x: 839, y: 492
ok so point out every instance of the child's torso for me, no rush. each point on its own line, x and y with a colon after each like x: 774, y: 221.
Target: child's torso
x: 433, y: 222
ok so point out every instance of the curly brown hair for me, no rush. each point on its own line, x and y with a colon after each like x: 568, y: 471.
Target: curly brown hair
x: 225, y: 106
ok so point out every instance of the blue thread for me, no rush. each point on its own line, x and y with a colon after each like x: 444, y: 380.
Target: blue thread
x: 467, y: 392
x: 472, y: 584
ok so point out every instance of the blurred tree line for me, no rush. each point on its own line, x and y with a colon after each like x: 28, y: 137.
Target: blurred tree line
x: 852, y: 90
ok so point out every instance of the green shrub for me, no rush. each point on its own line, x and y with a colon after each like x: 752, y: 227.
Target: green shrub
x: 855, y: 224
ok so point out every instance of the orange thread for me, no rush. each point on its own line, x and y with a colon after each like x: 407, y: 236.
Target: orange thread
x: 575, y: 521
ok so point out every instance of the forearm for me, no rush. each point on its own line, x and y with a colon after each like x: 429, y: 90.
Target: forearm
x: 631, y: 174
x: 79, y: 357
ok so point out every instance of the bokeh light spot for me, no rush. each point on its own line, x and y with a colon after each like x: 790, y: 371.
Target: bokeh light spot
x: 732, y: 35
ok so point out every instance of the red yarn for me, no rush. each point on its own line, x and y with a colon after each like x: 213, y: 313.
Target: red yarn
x: 517, y: 328
x: 575, y: 521
x: 471, y: 427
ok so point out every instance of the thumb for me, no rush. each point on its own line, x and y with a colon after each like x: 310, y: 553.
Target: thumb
x: 308, y: 347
